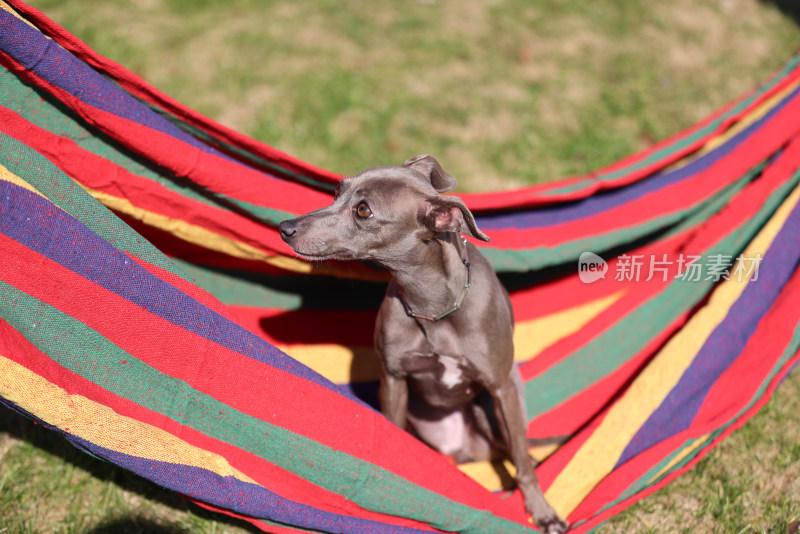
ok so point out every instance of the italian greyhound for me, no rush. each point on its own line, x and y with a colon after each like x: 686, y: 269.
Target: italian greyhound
x: 444, y: 331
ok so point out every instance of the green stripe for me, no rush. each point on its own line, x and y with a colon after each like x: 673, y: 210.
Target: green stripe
x: 285, y: 292
x: 641, y: 482
x: 681, y: 143
x: 44, y: 112
x: 505, y: 260
x: 243, y: 154
x: 62, y: 191
x: 87, y: 353
x: 611, y: 349
x: 645, y: 481
x: 243, y: 289
x: 627, y: 337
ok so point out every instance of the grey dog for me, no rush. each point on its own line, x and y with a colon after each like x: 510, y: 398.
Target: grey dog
x: 444, y: 332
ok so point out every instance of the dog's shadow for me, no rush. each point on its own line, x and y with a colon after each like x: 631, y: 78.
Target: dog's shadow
x: 330, y: 312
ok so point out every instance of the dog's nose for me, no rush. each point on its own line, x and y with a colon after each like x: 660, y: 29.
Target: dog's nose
x: 288, y: 230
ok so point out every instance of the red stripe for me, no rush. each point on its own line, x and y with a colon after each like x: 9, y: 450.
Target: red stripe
x: 283, y: 399
x: 561, y: 420
x: 208, y: 171
x: 725, y: 400
x: 551, y: 467
x: 214, y: 173
x: 285, y: 483
x: 171, y: 350
x: 623, y: 476
x: 742, y: 208
x: 549, y: 296
x: 636, y: 293
x: 768, y: 342
x: 98, y: 173
x: 675, y: 198
x: 502, y: 200
x: 538, y: 195
x: 575, y: 412
x: 142, y: 90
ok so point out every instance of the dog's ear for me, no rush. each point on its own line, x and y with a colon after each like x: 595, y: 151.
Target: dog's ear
x: 450, y: 214
x: 428, y: 166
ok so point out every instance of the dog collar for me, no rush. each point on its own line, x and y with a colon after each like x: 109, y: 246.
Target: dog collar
x: 459, y: 300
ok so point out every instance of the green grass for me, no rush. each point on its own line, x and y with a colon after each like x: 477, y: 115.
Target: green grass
x: 504, y: 93
x: 49, y: 486
x: 749, y: 484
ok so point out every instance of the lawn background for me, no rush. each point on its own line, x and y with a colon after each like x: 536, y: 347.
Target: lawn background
x: 505, y: 93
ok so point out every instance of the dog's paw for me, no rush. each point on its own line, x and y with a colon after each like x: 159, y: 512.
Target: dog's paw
x: 544, y: 515
x: 552, y: 525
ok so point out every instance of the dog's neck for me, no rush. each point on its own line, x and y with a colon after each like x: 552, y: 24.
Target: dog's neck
x: 433, y: 284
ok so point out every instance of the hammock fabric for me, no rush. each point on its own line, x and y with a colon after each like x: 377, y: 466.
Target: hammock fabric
x: 147, y: 306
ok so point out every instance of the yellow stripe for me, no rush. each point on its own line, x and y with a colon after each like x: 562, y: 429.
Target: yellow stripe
x: 9, y: 176
x: 101, y: 425
x: 746, y: 121
x: 337, y: 363
x: 341, y: 364
x: 208, y: 239
x: 497, y: 476
x: 4, y: 6
x: 597, y: 457
x: 196, y: 234
x: 532, y: 337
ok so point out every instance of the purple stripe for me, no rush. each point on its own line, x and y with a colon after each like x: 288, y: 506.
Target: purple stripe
x: 607, y: 200
x: 42, y: 227
x: 232, y: 494
x: 226, y: 492
x: 725, y: 343
x: 49, y: 61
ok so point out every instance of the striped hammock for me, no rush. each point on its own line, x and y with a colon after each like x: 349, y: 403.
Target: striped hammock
x: 150, y: 313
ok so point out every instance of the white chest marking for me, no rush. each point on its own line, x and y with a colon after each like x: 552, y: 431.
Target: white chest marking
x: 452, y: 371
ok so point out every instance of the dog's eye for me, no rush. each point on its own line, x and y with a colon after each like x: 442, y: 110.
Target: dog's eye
x: 363, y: 211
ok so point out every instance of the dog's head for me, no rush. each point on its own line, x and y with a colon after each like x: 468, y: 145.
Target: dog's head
x: 381, y: 214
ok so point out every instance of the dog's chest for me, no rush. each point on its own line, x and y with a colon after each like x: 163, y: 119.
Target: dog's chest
x: 450, y: 371
x: 443, y: 380
x: 432, y: 357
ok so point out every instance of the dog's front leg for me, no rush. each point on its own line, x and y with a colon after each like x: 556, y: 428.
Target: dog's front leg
x: 393, y: 396
x: 509, y: 414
